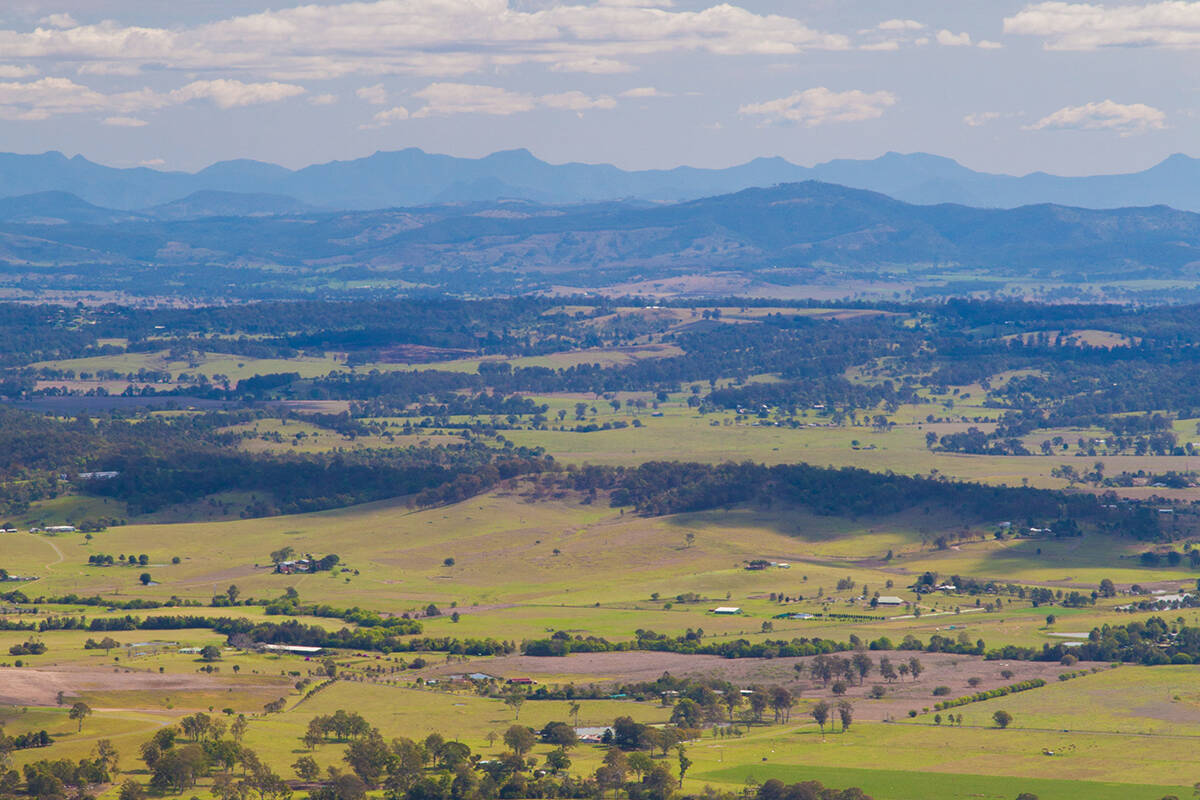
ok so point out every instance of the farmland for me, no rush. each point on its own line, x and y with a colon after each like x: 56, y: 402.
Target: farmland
x: 561, y: 494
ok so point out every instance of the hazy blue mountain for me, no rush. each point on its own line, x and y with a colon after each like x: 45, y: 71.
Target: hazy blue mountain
x: 211, y: 203
x: 58, y: 208
x: 808, y: 225
x: 413, y: 177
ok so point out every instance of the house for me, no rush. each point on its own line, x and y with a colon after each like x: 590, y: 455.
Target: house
x: 728, y: 610
x: 60, y: 529
x: 889, y: 601
x: 589, y: 735
x: 291, y: 648
x: 521, y: 681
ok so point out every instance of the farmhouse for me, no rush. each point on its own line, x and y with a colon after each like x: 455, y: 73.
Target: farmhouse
x: 727, y: 610
x: 888, y: 600
x: 295, y: 649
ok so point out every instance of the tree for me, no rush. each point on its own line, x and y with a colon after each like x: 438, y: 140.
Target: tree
x: 79, y: 712
x: 781, y: 703
x: 684, y: 762
x: 574, y: 710
x: 132, y: 790
x: 1108, y: 588
x: 306, y: 769
x: 106, y: 754
x: 820, y: 713
x: 690, y: 538
x: 520, y: 739
x: 238, y: 729
x: 640, y: 763
x: 758, y: 703
x: 514, y: 700
x: 686, y: 713
x: 846, y: 713
x: 284, y: 553
x: 108, y: 643
x: 915, y: 667
x: 368, y: 757
x: 558, y: 760
x: 233, y: 592
x: 1002, y: 718
x: 145, y: 578
x: 862, y: 665
x: 210, y: 652
x: 886, y: 669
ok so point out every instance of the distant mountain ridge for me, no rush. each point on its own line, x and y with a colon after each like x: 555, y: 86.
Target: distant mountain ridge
x: 798, y: 226
x: 412, y: 177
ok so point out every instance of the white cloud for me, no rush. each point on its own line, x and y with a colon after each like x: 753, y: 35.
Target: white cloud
x: 323, y: 100
x: 9, y: 71
x: 233, y: 94
x: 375, y: 95
x: 644, y: 91
x: 443, y: 99
x: 385, y: 118
x: 951, y: 39
x: 125, y: 69
x: 1087, y: 26
x: 576, y: 101
x: 988, y: 45
x: 125, y: 122
x: 900, y: 25
x: 593, y: 65
x: 822, y: 106
x: 428, y: 37
x: 981, y: 118
x: 59, y: 21
x: 884, y: 46
x: 1107, y: 115
x: 51, y: 97
x: 465, y: 98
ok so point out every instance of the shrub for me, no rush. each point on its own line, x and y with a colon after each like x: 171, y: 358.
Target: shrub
x: 941, y: 691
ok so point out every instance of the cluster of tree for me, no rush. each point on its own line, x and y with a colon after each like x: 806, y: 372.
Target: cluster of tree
x: 775, y: 789
x: 341, y: 725
x: 176, y: 764
x: 106, y: 560
x: 660, y: 487
x: 24, y: 741
x: 29, y: 648
x: 1001, y: 691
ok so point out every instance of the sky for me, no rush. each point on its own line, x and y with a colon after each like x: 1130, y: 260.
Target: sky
x: 1066, y: 87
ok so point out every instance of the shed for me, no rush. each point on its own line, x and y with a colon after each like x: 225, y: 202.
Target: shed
x: 890, y: 601
x: 727, y: 610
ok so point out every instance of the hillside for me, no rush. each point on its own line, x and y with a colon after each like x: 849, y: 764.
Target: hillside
x: 793, y: 231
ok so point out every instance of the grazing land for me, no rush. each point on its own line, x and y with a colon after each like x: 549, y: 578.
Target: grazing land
x: 572, y: 547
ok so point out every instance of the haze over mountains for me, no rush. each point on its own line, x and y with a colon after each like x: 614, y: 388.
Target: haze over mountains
x: 412, y: 177
x: 808, y: 225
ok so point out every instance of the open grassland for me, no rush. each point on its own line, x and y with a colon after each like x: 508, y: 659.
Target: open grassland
x: 523, y: 570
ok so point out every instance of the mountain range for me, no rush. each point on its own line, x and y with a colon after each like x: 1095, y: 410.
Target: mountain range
x: 412, y: 177
x: 789, y: 227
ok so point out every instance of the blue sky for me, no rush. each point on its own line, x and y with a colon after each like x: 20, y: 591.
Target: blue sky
x: 1066, y: 87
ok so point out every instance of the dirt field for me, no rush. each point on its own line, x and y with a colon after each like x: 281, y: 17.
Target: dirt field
x: 939, y: 669
x: 40, y: 687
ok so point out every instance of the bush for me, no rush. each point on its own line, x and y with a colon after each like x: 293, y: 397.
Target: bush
x: 941, y: 691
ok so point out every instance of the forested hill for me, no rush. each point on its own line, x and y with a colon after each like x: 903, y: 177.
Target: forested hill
x: 802, y: 225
